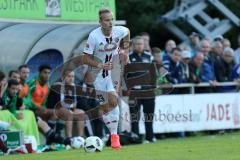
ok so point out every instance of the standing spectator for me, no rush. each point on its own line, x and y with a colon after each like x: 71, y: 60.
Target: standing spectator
x: 157, y: 58
x: 216, y: 52
x: 139, y: 55
x: 194, y: 43
x: 237, y: 53
x: 186, y: 57
x: 223, y: 69
x: 195, y: 68
x: 173, y: 66
x: 208, y: 74
x: 146, y: 38
x: 226, y: 43
x: 224, y: 66
x: 170, y: 44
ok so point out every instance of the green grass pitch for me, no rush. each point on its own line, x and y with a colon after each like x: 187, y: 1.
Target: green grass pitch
x: 217, y: 147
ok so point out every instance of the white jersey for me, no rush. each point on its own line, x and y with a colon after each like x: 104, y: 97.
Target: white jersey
x: 104, y: 48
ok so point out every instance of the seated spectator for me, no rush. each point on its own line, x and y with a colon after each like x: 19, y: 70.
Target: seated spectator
x: 38, y: 92
x: 237, y: 53
x: 64, y: 98
x: 170, y: 44
x: 195, y: 66
x: 88, y: 102
x: 14, y: 74
x: 173, y: 66
x: 23, y: 119
x: 24, y: 74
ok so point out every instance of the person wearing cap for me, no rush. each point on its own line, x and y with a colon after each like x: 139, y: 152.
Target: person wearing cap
x: 185, y: 59
x: 218, y: 38
x: 194, y: 43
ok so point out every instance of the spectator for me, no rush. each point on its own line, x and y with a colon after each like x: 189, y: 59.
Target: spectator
x: 139, y: 55
x: 226, y: 43
x: 195, y: 68
x: 224, y: 66
x: 63, y: 97
x: 13, y: 103
x: 237, y: 53
x: 24, y: 74
x: 38, y: 92
x: 157, y: 58
x: 186, y: 57
x: 14, y: 74
x: 146, y: 38
x: 216, y: 52
x: 173, y: 66
x: 3, y: 85
x: 208, y: 74
x: 194, y: 43
x: 170, y: 44
x: 10, y: 99
x: 218, y: 38
x: 88, y: 102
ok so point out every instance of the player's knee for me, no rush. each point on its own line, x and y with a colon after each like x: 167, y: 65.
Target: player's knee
x: 112, y: 103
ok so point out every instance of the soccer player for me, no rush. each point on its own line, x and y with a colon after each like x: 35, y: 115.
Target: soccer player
x: 103, y: 44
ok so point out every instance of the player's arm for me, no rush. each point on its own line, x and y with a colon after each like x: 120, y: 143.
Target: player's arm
x: 88, y: 60
x: 124, y: 48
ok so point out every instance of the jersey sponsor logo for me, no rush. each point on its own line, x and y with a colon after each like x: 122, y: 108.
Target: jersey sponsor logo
x: 107, y: 47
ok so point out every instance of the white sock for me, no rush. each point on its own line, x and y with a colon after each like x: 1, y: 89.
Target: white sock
x: 111, y: 120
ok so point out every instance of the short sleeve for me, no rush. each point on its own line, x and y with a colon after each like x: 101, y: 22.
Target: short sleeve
x: 123, y: 31
x: 89, y: 46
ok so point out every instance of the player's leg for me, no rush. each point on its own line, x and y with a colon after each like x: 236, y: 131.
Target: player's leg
x: 111, y: 119
x: 148, y: 109
x: 107, y: 96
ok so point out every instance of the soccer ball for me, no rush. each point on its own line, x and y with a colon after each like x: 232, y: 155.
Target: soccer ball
x: 77, y: 142
x: 93, y: 144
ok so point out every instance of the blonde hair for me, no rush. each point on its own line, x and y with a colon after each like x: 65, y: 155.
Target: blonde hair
x: 103, y: 11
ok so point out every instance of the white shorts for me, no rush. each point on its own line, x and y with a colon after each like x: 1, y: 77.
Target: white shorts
x: 103, y: 86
